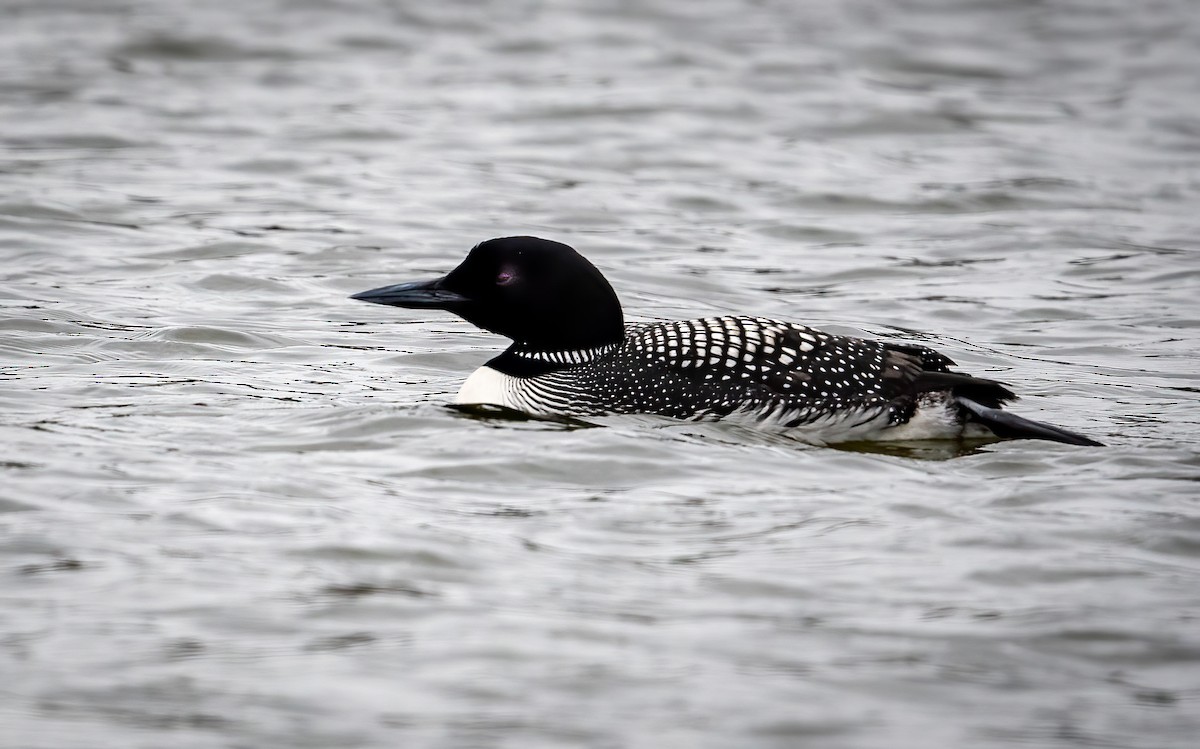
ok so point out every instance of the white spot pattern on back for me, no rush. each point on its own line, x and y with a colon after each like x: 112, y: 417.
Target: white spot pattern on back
x: 750, y: 368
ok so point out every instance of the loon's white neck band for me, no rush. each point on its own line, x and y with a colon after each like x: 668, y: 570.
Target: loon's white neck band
x: 575, y: 356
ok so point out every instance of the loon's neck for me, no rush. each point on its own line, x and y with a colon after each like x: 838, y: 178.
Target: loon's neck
x: 523, y: 360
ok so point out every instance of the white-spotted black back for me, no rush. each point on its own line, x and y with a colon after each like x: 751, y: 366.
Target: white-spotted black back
x: 717, y: 366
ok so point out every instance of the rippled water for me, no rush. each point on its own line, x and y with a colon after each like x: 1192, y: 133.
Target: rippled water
x: 235, y: 511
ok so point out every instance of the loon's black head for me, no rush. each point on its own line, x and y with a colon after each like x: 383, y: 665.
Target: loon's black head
x: 542, y: 294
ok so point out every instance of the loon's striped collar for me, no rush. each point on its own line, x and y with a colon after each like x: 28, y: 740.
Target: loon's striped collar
x: 577, y: 356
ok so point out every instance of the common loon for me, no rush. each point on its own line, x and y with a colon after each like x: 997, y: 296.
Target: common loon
x: 573, y: 355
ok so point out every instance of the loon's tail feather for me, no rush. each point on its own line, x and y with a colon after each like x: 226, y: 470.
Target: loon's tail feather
x: 1005, y: 424
x: 980, y: 391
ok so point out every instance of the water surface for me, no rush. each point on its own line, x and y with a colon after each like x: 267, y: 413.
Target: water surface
x: 235, y: 510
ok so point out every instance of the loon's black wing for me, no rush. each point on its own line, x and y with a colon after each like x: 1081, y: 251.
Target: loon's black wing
x: 903, y: 373
x: 720, y: 365
x: 842, y: 372
x: 725, y: 364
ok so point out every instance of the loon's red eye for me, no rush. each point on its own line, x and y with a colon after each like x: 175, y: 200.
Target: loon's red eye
x: 505, y: 277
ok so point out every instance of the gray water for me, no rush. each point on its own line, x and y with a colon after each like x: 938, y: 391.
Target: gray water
x: 235, y: 510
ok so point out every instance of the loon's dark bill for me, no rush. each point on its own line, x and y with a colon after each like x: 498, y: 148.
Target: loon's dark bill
x: 415, y: 295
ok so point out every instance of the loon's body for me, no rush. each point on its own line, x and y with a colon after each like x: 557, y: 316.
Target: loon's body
x: 573, y: 355
x: 774, y: 373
